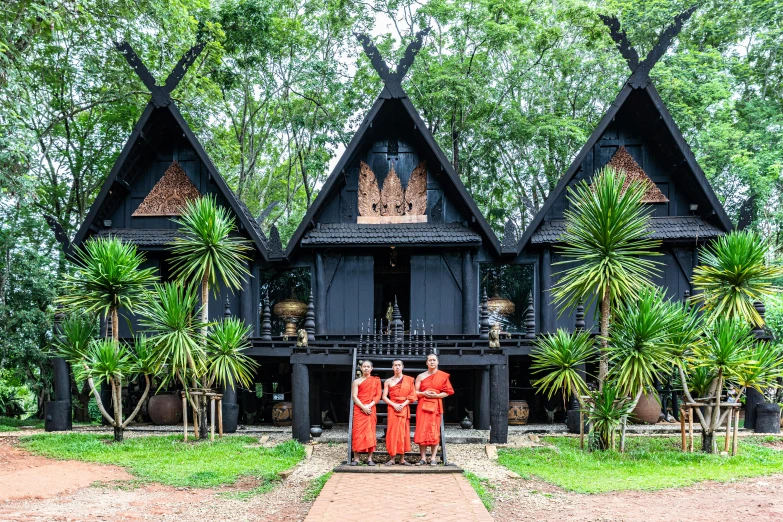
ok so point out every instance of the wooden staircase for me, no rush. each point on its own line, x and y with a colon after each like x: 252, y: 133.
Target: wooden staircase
x: 382, y: 414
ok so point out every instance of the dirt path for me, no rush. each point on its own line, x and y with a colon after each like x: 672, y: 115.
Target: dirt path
x: 49, y: 490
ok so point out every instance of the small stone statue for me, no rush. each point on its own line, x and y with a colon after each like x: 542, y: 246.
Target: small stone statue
x: 389, y: 314
x: 301, y: 337
x: 494, y: 336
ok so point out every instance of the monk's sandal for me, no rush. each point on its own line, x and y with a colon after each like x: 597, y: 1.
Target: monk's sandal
x: 390, y: 462
x: 422, y: 462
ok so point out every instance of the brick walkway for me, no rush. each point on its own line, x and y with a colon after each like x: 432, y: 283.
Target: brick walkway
x: 365, y: 497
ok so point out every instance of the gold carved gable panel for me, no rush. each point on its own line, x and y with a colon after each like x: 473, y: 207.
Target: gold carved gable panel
x: 169, y: 194
x: 392, y: 204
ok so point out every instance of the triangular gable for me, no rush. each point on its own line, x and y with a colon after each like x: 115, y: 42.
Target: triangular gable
x: 393, y: 91
x: 169, y: 195
x: 623, y: 161
x: 638, y: 82
x: 116, y: 185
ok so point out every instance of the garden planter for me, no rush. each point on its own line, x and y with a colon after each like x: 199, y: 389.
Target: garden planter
x: 768, y: 418
x: 518, y: 413
x: 230, y: 417
x: 647, y: 410
x: 282, y: 414
x: 165, y: 410
x: 753, y: 398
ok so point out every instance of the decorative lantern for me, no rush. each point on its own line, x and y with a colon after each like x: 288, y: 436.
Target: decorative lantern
x: 291, y: 311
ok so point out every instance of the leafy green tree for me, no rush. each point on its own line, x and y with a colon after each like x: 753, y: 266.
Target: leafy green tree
x: 733, y: 275
x: 606, y: 241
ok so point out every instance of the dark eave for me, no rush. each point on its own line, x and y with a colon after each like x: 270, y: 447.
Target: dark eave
x: 673, y: 228
x: 402, y: 235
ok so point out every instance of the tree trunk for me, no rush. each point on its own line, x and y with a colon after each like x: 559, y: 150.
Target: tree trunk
x: 707, y: 441
x: 119, y: 432
x: 205, y: 304
x: 115, y: 326
x: 603, y: 368
x: 202, y: 418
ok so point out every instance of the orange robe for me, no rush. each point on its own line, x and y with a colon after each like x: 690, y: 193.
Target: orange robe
x: 398, y: 430
x: 429, y: 411
x: 363, y: 436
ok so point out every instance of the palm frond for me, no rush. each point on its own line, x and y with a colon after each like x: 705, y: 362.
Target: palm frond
x: 77, y: 331
x: 108, y: 276
x: 733, y: 275
x: 227, y: 364
x: 208, y: 245
x: 561, y: 358
x: 607, y: 239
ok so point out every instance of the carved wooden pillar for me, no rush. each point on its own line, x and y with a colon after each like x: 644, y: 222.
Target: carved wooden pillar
x: 498, y: 391
x: 309, y: 324
x: 547, y: 313
x: 300, y: 399
x: 470, y: 302
x: 266, y: 320
x: 320, y: 295
x: 530, y: 318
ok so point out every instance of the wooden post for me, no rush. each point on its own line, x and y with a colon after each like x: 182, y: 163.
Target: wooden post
x: 498, y: 391
x: 728, y: 429
x: 185, y: 415
x: 690, y: 426
x: 682, y: 429
x: 736, y: 430
x: 300, y: 395
x: 195, y: 423
x: 220, y: 417
x: 581, y: 428
x: 212, y: 419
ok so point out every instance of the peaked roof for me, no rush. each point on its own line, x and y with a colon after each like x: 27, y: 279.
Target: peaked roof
x: 392, y: 90
x: 638, y: 81
x: 160, y: 101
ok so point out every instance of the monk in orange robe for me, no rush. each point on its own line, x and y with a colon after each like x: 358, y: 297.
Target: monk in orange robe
x: 365, y: 392
x: 398, y: 392
x: 431, y: 387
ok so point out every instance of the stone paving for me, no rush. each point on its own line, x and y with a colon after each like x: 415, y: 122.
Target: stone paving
x: 364, y: 497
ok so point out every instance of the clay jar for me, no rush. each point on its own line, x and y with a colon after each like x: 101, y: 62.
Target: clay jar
x: 518, y: 413
x: 165, y: 410
x: 282, y: 414
x: 647, y: 410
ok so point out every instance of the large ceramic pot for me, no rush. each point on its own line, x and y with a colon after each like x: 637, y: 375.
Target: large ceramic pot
x: 230, y: 417
x: 518, y: 412
x: 767, y: 418
x: 165, y: 410
x: 282, y: 414
x: 647, y: 410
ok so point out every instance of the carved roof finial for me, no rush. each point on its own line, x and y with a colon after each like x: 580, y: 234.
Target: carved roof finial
x: 640, y: 71
x: 161, y: 94
x: 393, y: 80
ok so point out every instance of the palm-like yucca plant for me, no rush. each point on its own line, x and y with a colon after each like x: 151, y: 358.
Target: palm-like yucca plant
x: 227, y: 365
x: 727, y: 354
x: 606, y: 239
x: 733, y: 275
x: 208, y: 250
x: 105, y: 360
x: 639, y: 348
x: 108, y: 277
x: 609, y: 407
x: 561, y: 357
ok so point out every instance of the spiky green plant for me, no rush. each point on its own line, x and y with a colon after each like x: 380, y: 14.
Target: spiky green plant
x: 108, y: 277
x: 227, y: 364
x: 733, y: 275
x: 639, y: 345
x: 608, y: 409
x: 105, y: 360
x: 208, y: 251
x: 561, y: 357
x: 607, y: 240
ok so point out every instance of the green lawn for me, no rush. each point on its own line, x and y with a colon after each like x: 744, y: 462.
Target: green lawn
x: 11, y: 424
x: 482, y: 487
x: 315, y: 487
x: 170, y: 461
x: 649, y: 463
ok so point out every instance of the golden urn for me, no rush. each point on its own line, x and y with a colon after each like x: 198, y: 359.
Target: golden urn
x: 291, y: 311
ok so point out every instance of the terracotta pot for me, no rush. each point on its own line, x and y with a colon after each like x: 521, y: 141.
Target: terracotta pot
x: 647, y: 411
x: 282, y: 414
x: 165, y: 410
x: 518, y: 412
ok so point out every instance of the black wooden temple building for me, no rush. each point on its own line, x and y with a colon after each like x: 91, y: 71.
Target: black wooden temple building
x: 395, y: 237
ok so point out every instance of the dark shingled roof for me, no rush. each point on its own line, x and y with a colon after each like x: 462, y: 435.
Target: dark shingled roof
x: 347, y: 234
x: 142, y: 236
x: 677, y: 227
